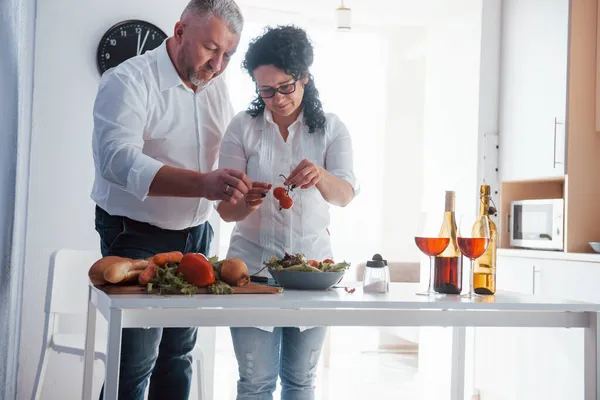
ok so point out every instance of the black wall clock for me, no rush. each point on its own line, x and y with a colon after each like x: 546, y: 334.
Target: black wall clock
x: 125, y: 40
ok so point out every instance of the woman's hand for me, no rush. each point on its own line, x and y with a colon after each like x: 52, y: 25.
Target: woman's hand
x: 306, y: 175
x: 256, y: 195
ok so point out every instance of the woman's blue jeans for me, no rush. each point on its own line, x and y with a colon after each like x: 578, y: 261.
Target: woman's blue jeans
x: 286, y: 353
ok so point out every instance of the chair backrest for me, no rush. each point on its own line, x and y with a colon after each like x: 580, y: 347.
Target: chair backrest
x: 68, y: 281
x: 407, y: 272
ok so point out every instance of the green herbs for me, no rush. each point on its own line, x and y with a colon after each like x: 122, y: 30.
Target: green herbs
x: 220, y: 287
x: 214, y: 260
x: 331, y: 267
x: 168, y: 281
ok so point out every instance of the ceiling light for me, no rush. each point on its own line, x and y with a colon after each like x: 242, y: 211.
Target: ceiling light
x: 344, y: 17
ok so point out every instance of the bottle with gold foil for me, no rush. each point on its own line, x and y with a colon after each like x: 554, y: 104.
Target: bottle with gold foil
x: 448, y: 265
x: 484, y: 271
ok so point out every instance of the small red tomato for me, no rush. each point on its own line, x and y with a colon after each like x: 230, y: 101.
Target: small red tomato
x: 328, y: 261
x: 286, y: 203
x: 279, y: 193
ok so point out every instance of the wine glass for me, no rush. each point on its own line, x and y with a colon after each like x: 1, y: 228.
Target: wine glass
x: 430, y: 243
x: 473, y: 240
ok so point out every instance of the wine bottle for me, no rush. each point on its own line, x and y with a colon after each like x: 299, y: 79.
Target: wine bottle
x: 448, y: 265
x: 484, y: 271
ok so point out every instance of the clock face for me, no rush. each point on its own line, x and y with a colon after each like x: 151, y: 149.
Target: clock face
x: 125, y: 40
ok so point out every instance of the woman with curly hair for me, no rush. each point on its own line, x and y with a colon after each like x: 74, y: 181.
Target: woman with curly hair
x: 284, y: 132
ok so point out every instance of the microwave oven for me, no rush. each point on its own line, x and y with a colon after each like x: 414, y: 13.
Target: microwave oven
x: 537, y: 224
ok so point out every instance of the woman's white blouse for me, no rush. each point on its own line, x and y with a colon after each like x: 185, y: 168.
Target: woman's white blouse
x: 255, y: 146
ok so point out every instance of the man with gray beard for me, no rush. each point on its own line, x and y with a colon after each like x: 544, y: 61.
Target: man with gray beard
x: 158, y: 122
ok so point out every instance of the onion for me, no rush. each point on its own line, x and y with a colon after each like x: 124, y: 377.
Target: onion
x: 234, y: 272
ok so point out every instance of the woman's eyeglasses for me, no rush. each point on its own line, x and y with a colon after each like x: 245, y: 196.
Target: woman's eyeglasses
x: 287, y: 88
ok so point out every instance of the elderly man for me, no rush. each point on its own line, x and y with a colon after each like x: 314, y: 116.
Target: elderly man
x: 158, y: 123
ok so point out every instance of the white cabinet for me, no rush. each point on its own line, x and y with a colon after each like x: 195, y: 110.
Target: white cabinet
x: 574, y: 281
x: 533, y: 88
x: 536, y: 363
x: 503, y: 357
x: 515, y: 274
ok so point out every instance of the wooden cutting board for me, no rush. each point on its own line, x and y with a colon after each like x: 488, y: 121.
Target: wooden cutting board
x: 250, y: 288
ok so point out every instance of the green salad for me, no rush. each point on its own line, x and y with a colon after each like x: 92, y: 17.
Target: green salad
x: 297, y: 262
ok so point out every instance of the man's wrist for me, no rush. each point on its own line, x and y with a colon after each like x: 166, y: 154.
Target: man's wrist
x: 199, y: 186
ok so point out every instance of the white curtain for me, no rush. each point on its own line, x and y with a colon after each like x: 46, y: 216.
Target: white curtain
x: 17, y: 20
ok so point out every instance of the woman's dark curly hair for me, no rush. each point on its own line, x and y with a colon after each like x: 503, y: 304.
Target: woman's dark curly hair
x: 289, y: 49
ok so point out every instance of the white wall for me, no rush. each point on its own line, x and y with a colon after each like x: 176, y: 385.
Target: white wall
x: 364, y: 13
x: 404, y: 143
x: 61, y: 213
x: 433, y: 121
x: 452, y: 109
x: 450, y: 157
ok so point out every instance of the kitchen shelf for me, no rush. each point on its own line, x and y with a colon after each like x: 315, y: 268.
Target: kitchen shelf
x: 525, y: 190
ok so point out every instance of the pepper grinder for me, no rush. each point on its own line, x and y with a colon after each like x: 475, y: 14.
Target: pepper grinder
x: 377, y: 275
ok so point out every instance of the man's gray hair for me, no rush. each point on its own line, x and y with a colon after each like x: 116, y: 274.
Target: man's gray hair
x: 227, y: 10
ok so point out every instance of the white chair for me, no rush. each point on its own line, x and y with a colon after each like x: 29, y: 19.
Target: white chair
x: 67, y: 296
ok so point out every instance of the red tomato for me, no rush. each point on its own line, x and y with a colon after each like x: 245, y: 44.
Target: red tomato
x: 197, y: 270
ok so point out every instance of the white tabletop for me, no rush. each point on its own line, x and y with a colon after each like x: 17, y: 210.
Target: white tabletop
x: 399, y: 307
x: 400, y: 296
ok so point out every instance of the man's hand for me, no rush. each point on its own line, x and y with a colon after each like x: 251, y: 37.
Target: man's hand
x: 306, y: 174
x: 256, y: 195
x: 225, y: 184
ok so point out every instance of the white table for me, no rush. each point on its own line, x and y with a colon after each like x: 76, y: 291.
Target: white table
x: 399, y: 307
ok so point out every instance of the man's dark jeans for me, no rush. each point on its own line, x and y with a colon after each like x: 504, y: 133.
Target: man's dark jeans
x: 162, y: 354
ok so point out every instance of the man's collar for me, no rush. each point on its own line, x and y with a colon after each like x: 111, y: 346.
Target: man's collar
x: 167, y: 74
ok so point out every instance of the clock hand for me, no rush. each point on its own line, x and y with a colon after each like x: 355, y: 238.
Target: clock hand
x: 144, y: 41
x: 137, y: 53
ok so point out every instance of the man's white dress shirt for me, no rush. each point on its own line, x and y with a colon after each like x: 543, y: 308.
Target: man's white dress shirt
x: 256, y: 147
x: 146, y: 117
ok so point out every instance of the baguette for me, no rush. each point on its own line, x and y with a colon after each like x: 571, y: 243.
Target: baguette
x: 96, y: 272
x: 125, y: 270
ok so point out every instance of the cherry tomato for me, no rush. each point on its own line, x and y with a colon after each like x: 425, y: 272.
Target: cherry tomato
x: 286, y: 203
x: 279, y: 193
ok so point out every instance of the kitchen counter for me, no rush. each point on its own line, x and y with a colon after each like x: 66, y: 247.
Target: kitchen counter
x: 550, y: 255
